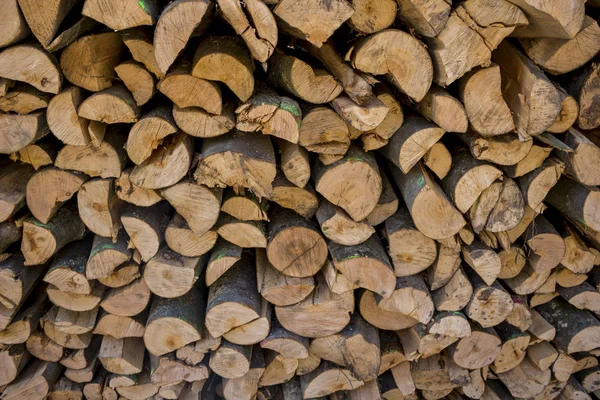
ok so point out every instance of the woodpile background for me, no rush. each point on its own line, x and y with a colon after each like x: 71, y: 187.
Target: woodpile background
x: 299, y: 199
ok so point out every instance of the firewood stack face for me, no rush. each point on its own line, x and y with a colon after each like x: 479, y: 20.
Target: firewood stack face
x: 299, y: 199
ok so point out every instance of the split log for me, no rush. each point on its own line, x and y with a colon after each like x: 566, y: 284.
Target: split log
x: 133, y: 194
x: 170, y: 275
x: 410, y: 298
x: 388, y: 202
x: 237, y: 160
x: 181, y: 239
x: 16, y: 64
x: 24, y: 321
x: 167, y: 368
x: 512, y: 262
x: 574, y: 201
x: 106, y: 255
x: 123, y: 275
x: 566, y: 278
x: 589, y: 379
x: 307, y: 365
x: 568, y: 114
x: 584, y: 296
x: 487, y: 111
x: 573, y: 390
x: 38, y: 155
x: 582, y: 86
x: 139, y: 41
x: 233, y: 57
x: 80, y: 359
x: 426, y: 19
x: 175, y: 155
x: 286, y: 343
x: 326, y: 379
x: 223, y: 256
x: 559, y: 56
x: 514, y: 348
x: 40, y: 346
x: 300, y: 24
x: 123, y: 15
x: 432, y: 372
x: 455, y: 294
x: 63, y: 228
x: 537, y: 184
x: 254, y: 331
x: 477, y: 350
x: 490, y: 305
x: 74, y: 323
x: 187, y: 91
x: 244, y: 206
x: 542, y: 354
x: 425, y: 196
x: 303, y: 201
x: 110, y: 106
x: 193, y: 353
x: 14, y: 26
x: 99, y: 207
x: 230, y: 360
x: 13, y: 181
x: 337, y: 226
x: 148, y: 132
x: 66, y: 340
x: 127, y: 301
x: 121, y: 327
x: 577, y: 258
x: 80, y: 26
x: 49, y: 189
x: 19, y: 131
x: 173, y: 323
x: 506, y: 150
x: 176, y: 24
x: 85, y: 374
x: 522, y: 79
x: 527, y: 281
x: 245, y: 387
x: 323, y: 131
x: 145, y: 227
x: 320, y: 314
x: 17, y: 281
x: 581, y: 163
x: 278, y: 369
x: 34, y: 382
x: 233, y: 299
x: 443, y: 268
x: 525, y: 380
x: 68, y: 269
x: 106, y: 160
x: 482, y: 260
x: 534, y: 159
x: 392, y: 352
x: 277, y: 288
x: 561, y: 21
x: 382, y: 318
x: 480, y: 211
x: 9, y: 234
x: 546, y: 247
x: 24, y: 99
x: 412, y: 69
x: 122, y: 356
x: 444, y: 110
x: 294, y: 163
x: 44, y: 19
x: 509, y: 210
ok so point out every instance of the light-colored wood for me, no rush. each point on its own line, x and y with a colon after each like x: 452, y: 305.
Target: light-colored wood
x: 37, y: 155
x: 122, y: 356
x: 181, y: 239
x: 14, y: 26
x: 122, y: 275
x: 123, y: 14
x: 568, y: 114
x: 169, y: 274
x: 148, y: 132
x: 29, y: 63
x: 40, y: 346
x: 19, y: 131
x: 128, y: 300
x: 326, y: 379
x: 582, y: 87
x: 35, y: 381
x: 581, y: 163
x: 121, y: 327
x: 24, y: 99
x: 525, y: 380
x: 455, y: 294
x: 427, y: 18
x: 443, y: 109
x: 133, y: 194
x: 99, y: 207
x: 411, y: 72
x: 560, y: 20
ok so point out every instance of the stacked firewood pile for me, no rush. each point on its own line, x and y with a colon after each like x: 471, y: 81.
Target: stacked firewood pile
x: 298, y: 199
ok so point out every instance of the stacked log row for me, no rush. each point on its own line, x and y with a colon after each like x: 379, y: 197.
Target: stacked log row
x: 299, y: 199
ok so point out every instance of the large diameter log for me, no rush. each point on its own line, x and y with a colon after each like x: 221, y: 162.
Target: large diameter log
x: 13, y: 188
x: 173, y: 323
x: 251, y: 163
x: 89, y: 62
x: 561, y: 20
x: 411, y: 70
x: 422, y: 195
x: 31, y: 64
x: 42, y: 241
x: 19, y: 131
x: 233, y: 299
x: 522, y: 79
x: 320, y: 314
x: 352, y: 183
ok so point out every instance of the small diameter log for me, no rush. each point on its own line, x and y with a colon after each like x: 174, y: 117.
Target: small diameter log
x: 173, y: 323
x: 585, y: 158
x: 80, y: 359
x: 362, y: 118
x: 306, y: 248
x: 123, y: 275
x: 106, y: 160
x: 34, y: 382
x: 13, y: 359
x: 509, y: 211
x: 575, y: 201
x: 38, y: 155
x: 63, y: 228
x: 236, y: 70
x: 244, y: 206
x: 366, y: 265
x: 534, y: 159
x: 520, y: 79
x: 582, y: 86
x: 455, y: 294
x: 577, y: 258
x: 443, y: 268
x: 106, y: 255
x: 13, y: 193
x: 167, y: 368
x: 133, y: 194
x: 411, y: 75
x: 584, y: 296
x: 561, y: 21
x: 537, y: 184
x: 194, y: 353
x: 66, y: 340
x: 245, y: 387
x: 277, y: 288
x: 589, y: 379
x: 97, y: 53
x: 505, y: 150
x: 185, y: 90
x: 14, y: 26
x: 44, y: 19
x: 388, y: 319
x: 49, y: 188
x: 110, y: 106
x: 19, y: 131
x: 121, y: 327
x: 16, y: 62
x: 300, y: 24
x: 17, y: 281
x: 512, y: 262
x: 23, y: 322
x: 122, y: 356
x: 444, y: 110
x: 245, y: 234
x: 482, y: 260
x: 546, y: 247
x: 379, y: 136
x: 199, y: 123
x: 254, y: 331
x: 23, y: 99
x: 294, y: 163
x: 286, y: 343
x: 542, y: 354
x: 175, y: 27
x: 9, y: 234
x: 223, y: 256
x: 128, y: 300
x: 411, y: 251
x: 337, y: 226
x: 410, y: 143
x: 67, y: 272
x: 323, y: 131
x: 148, y: 132
x: 253, y: 164
x: 487, y: 111
x: 568, y: 114
x: 233, y: 299
x: 230, y: 360
x: 514, y: 348
x: 320, y: 314
x: 480, y: 210
x: 559, y: 56
x: 387, y: 205
x: 431, y: 373
x: 278, y: 369
x: 39, y: 346
x: 426, y: 19
x: 490, y: 305
x: 145, y: 227
x: 525, y: 380
x: 410, y: 298
x: 477, y: 350
x: 167, y: 165
x: 302, y: 200
x: 327, y: 379
x: 99, y: 207
x: 181, y: 239
x: 170, y: 275
x: 270, y: 114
